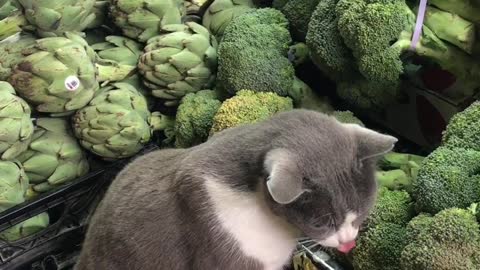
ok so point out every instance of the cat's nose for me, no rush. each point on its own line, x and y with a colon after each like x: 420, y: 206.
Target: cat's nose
x: 347, y: 235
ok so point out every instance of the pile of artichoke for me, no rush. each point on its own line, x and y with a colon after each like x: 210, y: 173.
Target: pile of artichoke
x: 67, y: 99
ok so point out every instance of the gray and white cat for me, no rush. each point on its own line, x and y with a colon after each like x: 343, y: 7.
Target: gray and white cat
x: 240, y: 200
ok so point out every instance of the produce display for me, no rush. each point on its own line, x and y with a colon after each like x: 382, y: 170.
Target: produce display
x: 83, y: 81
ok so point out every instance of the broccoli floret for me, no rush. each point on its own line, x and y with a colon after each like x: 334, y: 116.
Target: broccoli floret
x: 299, y: 54
x: 391, y: 207
x: 417, y: 225
x: 194, y: 118
x: 244, y: 67
x: 447, y: 178
x: 347, y: 117
x: 380, y: 248
x: 328, y: 51
x: 463, y: 129
x: 265, y: 29
x: 253, y: 54
x: 248, y: 107
x: 448, y: 241
x: 298, y: 13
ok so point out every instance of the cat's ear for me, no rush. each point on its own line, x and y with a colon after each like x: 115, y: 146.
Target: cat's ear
x: 284, y: 181
x: 371, y: 143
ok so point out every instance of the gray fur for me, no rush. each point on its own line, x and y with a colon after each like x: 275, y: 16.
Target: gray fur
x: 156, y: 214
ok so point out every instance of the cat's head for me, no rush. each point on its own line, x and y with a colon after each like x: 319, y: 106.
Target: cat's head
x: 321, y: 174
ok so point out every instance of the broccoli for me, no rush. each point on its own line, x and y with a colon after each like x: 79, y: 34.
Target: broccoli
x: 194, y: 118
x: 248, y: 107
x: 378, y: 50
x: 450, y: 240
x: 243, y: 67
x: 380, y: 247
x: 265, y: 29
x: 299, y: 54
x: 298, y: 13
x: 396, y: 179
x: 304, y: 97
x: 360, y: 44
x: 447, y: 178
x: 391, y: 207
x: 417, y: 225
x: 328, y: 51
x: 253, y: 55
x: 347, y: 117
x: 463, y: 129
x: 398, y: 171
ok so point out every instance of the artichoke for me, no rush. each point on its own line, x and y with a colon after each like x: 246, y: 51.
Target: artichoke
x: 13, y: 184
x: 11, y: 53
x: 59, y: 75
x: 53, y: 18
x: 182, y: 60
x: 26, y: 228
x: 115, y: 124
x: 221, y: 12
x: 194, y: 6
x: 143, y: 19
x: 119, y: 49
x: 11, y: 18
x: 54, y: 155
x: 16, y: 127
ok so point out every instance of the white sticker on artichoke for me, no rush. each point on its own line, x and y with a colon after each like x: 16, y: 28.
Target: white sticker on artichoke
x: 72, y: 83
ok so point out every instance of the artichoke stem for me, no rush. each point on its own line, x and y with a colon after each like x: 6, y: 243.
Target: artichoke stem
x: 113, y: 72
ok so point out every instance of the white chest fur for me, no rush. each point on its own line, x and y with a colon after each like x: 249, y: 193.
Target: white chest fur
x: 246, y: 217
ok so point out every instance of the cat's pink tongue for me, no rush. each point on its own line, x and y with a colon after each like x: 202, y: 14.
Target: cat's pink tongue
x: 347, y: 247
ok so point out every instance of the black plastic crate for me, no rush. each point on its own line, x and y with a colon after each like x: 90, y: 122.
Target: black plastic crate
x: 69, y: 207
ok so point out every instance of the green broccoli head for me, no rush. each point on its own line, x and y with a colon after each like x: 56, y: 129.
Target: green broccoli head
x: 298, y: 13
x: 392, y: 206
x: 347, y: 117
x: 246, y: 67
x: 248, y: 107
x: 265, y: 29
x: 253, y: 54
x: 305, y: 97
x: 463, y: 130
x: 327, y: 49
x: 380, y: 247
x: 417, y: 225
x: 447, y: 178
x: 449, y: 240
x: 194, y: 118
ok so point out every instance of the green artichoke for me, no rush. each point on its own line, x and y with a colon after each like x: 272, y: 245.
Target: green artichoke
x: 26, y: 228
x: 7, y: 8
x: 59, y: 75
x: 221, y: 12
x: 11, y: 18
x: 53, y: 18
x: 182, y: 60
x: 194, y: 6
x: 115, y: 124
x: 11, y: 53
x: 143, y: 19
x: 119, y: 49
x: 16, y: 126
x: 54, y: 155
x: 13, y: 184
